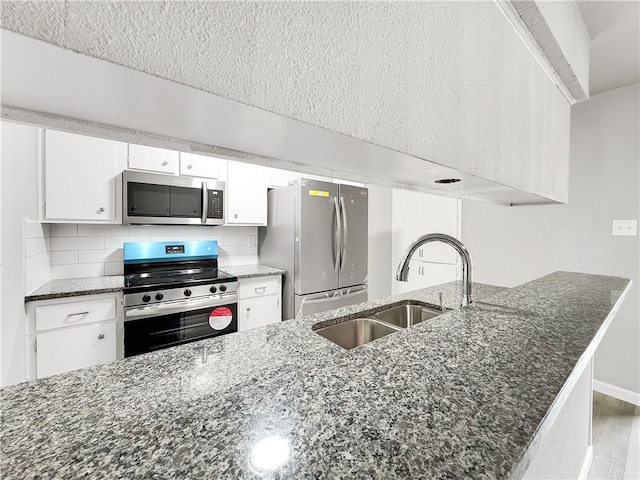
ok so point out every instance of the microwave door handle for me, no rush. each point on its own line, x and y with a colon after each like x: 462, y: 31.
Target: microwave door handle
x: 205, y: 202
x: 336, y: 236
x: 343, y: 209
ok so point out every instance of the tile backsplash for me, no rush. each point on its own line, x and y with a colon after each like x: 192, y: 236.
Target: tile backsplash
x: 36, y: 252
x: 80, y: 250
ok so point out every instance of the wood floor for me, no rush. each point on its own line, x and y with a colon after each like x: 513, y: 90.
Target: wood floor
x: 616, y: 439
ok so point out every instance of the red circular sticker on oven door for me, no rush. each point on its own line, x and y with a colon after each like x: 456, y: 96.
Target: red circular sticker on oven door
x: 220, y: 318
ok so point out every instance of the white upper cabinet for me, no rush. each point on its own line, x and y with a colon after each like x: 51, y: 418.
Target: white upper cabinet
x: 153, y: 159
x: 80, y: 178
x: 246, y: 194
x: 203, y: 166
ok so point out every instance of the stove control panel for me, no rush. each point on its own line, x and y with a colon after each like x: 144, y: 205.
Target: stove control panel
x: 196, y: 291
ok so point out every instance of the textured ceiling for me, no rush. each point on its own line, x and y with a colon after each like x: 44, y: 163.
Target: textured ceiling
x: 445, y: 82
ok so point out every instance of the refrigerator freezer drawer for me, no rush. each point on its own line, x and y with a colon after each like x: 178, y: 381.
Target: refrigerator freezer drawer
x: 321, y: 302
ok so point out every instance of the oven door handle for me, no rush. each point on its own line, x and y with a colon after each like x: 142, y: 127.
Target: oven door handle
x: 180, y: 306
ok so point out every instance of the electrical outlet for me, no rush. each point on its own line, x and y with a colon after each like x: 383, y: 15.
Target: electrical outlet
x: 251, y: 241
x: 628, y: 228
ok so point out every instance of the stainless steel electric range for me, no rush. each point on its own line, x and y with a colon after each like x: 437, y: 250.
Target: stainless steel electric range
x: 175, y: 294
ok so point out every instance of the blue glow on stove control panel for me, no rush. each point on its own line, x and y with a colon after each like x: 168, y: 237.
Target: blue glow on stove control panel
x: 138, y: 252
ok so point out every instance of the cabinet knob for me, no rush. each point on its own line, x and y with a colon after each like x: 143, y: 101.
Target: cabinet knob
x: 248, y: 309
x: 189, y: 167
x: 235, y: 215
x: 101, y: 336
x: 101, y: 209
x: 165, y: 163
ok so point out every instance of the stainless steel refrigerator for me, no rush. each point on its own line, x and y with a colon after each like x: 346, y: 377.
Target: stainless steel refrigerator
x: 317, y: 232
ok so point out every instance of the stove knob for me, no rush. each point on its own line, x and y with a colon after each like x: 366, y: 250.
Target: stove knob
x: 223, y: 288
x: 146, y: 298
x: 213, y: 289
x: 159, y: 296
x: 187, y: 293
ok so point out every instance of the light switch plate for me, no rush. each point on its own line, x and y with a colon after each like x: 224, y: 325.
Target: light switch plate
x: 627, y: 228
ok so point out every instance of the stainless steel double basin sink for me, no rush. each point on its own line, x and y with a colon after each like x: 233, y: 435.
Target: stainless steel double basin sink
x: 358, y: 331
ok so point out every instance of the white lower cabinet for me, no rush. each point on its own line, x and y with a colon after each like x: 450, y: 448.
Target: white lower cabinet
x: 415, y: 214
x: 71, y: 333
x: 259, y: 302
x: 422, y: 275
x: 69, y: 349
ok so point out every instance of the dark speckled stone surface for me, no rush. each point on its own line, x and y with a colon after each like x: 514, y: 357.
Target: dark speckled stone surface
x: 458, y: 396
x: 68, y: 287
x: 71, y: 287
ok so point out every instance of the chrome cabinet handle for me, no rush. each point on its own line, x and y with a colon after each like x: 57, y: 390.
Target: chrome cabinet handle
x: 248, y: 309
x: 260, y: 289
x: 189, y: 167
x: 101, y: 336
x: 78, y: 314
x: 165, y: 163
x: 235, y: 215
x: 101, y: 209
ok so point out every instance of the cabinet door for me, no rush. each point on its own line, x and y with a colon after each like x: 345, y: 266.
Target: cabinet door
x: 422, y: 275
x: 281, y: 178
x: 258, y: 311
x: 203, y: 166
x: 68, y: 349
x: 246, y: 194
x: 416, y: 214
x: 153, y: 159
x: 80, y: 178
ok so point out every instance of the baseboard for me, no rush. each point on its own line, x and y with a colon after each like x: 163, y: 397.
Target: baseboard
x: 617, y: 392
x: 586, y: 463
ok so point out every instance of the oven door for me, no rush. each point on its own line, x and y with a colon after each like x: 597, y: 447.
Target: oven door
x: 166, y: 325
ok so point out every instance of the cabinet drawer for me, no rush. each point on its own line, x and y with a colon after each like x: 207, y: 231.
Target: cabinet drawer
x: 74, y: 313
x: 259, y: 287
x: 73, y: 348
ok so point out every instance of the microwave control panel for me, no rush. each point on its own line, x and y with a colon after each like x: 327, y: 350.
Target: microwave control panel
x: 216, y: 204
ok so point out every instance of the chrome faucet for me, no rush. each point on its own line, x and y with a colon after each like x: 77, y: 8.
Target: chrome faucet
x: 403, y: 269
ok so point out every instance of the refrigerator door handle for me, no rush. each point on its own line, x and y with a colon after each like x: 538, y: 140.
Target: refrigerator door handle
x: 336, y: 236
x: 343, y: 209
x: 325, y: 297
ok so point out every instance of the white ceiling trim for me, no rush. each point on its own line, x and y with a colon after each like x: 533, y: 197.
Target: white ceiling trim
x: 532, y: 45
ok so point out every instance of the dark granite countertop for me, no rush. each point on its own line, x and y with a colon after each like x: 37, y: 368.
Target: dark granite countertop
x: 461, y: 395
x: 71, y: 287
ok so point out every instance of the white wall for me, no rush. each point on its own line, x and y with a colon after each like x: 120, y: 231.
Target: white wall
x: 19, y: 202
x: 510, y: 246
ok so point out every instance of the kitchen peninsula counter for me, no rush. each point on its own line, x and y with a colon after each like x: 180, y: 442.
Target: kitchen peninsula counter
x: 465, y: 394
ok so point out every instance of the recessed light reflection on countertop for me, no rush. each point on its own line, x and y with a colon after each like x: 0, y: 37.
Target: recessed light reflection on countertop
x: 270, y: 453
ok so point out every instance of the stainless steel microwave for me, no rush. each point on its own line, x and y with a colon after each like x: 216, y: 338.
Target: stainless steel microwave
x: 159, y: 199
